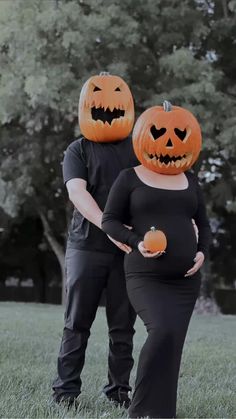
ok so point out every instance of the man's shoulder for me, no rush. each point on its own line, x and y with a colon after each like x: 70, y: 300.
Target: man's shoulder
x: 81, y: 144
x: 83, y: 148
x: 76, y: 144
x: 126, y: 141
x: 78, y: 147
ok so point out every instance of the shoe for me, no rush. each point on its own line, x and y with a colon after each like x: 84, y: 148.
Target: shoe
x: 119, y: 398
x: 67, y: 401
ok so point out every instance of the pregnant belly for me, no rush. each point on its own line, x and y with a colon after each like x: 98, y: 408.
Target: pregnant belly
x: 180, y: 252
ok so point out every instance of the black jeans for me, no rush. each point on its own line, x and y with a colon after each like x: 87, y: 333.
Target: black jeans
x: 88, y: 273
x: 165, y: 307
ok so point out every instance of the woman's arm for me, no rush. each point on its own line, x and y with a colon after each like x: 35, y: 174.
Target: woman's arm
x: 116, y: 210
x: 204, y: 234
x: 202, y: 223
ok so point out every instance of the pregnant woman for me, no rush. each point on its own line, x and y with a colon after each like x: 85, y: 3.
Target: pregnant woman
x: 162, y: 286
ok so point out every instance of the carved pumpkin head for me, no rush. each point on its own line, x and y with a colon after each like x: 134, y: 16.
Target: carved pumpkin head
x: 106, y: 109
x: 167, y: 139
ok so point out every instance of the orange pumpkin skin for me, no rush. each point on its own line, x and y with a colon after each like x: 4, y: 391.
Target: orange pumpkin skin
x: 104, y: 95
x: 167, y: 141
x: 155, y: 240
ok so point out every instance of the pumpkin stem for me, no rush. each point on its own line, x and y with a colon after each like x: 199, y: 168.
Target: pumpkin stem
x: 167, y: 106
x: 153, y: 228
x: 104, y: 73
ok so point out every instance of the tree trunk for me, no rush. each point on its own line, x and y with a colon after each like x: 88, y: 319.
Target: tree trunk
x: 57, y: 249
x: 225, y: 9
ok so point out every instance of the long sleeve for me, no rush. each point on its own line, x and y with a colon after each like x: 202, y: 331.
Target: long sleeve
x: 201, y: 220
x: 115, y: 212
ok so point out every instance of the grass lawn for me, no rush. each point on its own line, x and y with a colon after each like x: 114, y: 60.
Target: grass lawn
x: 29, y: 341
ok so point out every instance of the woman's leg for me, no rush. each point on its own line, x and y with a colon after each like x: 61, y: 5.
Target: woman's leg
x: 165, y: 306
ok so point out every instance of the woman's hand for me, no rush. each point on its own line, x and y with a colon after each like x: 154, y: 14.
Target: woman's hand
x: 199, y: 259
x: 146, y: 253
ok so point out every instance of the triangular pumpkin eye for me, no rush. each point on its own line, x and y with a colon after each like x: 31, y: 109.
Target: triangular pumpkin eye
x: 181, y: 134
x: 117, y: 89
x: 156, y: 133
x: 96, y: 89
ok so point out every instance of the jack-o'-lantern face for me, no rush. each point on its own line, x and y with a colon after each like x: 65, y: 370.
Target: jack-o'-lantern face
x: 167, y: 139
x: 106, y: 109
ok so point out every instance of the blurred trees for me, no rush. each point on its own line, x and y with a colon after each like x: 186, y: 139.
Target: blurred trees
x: 180, y: 51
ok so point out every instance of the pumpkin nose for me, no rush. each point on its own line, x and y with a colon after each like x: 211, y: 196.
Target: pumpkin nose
x: 169, y: 143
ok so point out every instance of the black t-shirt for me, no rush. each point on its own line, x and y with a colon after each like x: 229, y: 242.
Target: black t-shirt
x: 171, y: 211
x: 99, y: 164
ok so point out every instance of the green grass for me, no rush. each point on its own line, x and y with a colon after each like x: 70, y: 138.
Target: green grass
x: 29, y: 341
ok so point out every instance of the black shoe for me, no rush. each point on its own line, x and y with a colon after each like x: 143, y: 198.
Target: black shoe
x: 67, y: 401
x: 119, y: 398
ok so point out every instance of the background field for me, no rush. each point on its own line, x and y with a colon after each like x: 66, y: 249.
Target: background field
x: 29, y: 342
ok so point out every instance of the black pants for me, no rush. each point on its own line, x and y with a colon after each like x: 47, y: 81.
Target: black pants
x: 88, y: 273
x: 165, y: 307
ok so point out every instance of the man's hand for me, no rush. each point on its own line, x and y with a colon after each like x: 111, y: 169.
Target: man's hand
x: 127, y: 249
x: 146, y: 253
x: 199, y: 259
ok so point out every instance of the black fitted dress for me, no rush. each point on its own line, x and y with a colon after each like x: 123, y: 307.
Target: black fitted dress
x: 158, y: 290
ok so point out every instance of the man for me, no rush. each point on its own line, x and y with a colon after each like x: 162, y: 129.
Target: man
x: 93, y: 261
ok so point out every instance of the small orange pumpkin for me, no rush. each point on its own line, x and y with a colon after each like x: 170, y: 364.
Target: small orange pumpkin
x: 106, y: 109
x: 167, y: 139
x: 155, y: 240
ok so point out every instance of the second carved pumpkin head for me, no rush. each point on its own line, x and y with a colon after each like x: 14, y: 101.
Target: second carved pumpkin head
x: 106, y: 109
x: 167, y: 139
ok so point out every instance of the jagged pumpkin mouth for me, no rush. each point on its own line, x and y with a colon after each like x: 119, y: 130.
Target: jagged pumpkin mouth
x: 106, y: 115
x: 169, y: 161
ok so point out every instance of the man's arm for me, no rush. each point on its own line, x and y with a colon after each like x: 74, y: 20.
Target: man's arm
x: 87, y: 206
x: 83, y: 201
